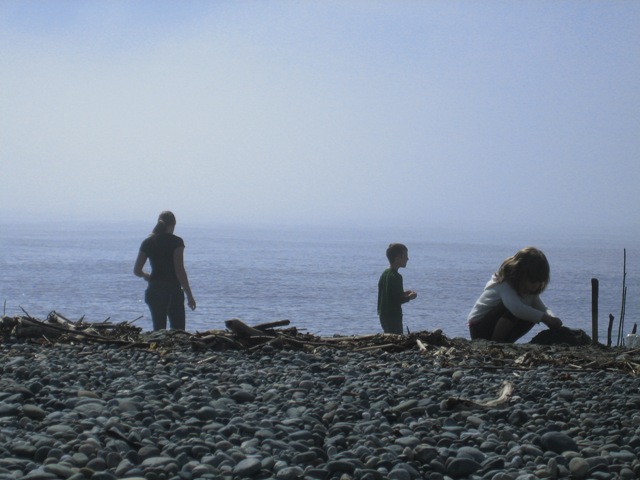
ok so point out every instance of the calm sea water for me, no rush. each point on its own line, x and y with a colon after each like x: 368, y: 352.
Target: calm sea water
x: 321, y: 279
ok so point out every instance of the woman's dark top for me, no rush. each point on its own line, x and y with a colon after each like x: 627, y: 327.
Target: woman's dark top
x: 159, y: 250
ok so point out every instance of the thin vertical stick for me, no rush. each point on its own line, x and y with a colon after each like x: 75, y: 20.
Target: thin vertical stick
x: 624, y: 304
x: 594, y: 310
x: 611, y: 319
x: 624, y: 288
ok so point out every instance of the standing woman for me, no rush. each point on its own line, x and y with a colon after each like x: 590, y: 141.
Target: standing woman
x: 168, y: 282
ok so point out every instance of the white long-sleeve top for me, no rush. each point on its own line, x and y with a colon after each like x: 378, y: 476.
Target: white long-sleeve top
x: 526, y: 307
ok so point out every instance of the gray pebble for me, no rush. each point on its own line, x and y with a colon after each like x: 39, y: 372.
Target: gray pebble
x: 579, y: 467
x: 558, y: 442
x: 247, y: 467
x: 462, y: 467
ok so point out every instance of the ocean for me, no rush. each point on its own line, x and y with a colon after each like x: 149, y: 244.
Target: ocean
x: 322, y: 279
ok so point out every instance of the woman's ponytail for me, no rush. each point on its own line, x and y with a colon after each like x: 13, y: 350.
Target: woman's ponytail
x: 165, y: 220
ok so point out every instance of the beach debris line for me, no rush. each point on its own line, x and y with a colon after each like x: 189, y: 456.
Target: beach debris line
x: 265, y: 336
x: 57, y: 327
x: 567, y: 350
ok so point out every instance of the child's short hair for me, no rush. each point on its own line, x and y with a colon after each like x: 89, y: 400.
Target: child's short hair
x: 527, y: 264
x: 395, y: 250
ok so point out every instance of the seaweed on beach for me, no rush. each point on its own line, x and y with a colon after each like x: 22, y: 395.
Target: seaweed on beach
x: 560, y: 351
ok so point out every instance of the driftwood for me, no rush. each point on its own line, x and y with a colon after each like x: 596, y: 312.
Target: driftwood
x: 270, y: 325
x: 241, y: 329
x: 58, y: 328
x: 268, y: 337
x: 456, y: 403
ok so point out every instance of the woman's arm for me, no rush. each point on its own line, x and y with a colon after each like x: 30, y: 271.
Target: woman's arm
x: 515, y: 304
x: 181, y: 273
x: 549, y: 319
x: 137, y: 268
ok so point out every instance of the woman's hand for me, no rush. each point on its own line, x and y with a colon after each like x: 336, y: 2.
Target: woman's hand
x: 191, y: 302
x: 137, y: 268
x: 551, y: 322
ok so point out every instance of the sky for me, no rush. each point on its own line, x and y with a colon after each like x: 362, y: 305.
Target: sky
x: 495, y: 114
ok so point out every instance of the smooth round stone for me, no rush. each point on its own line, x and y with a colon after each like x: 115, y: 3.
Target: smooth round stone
x: 264, y: 433
x: 410, y: 441
x: 365, y: 473
x: 33, y: 412
x: 206, y: 413
x: 489, y: 446
x: 103, y: 476
x: 24, y: 450
x: 462, y: 467
x: 399, y: 474
x: 148, y: 452
x: 566, y: 394
x: 79, y: 459
x: 528, y: 449
x: 155, y: 462
x: 623, y: 456
x: 341, y: 466
x: 247, y: 467
x: 404, y: 406
x: 516, y: 462
x: 290, y: 473
x: 306, y: 384
x: 243, y: 396
x: 472, y: 453
x: 61, y: 471
x: 475, y: 421
x: 502, y: 476
x: 558, y: 442
x: 597, y: 463
x: 627, y: 473
x: 604, y: 476
x: 408, y: 468
x: 301, y: 435
x: 305, y: 457
x: 579, y: 467
x: 123, y: 468
x: 41, y: 474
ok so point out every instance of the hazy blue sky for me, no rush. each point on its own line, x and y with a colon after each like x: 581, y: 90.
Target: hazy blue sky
x: 292, y: 112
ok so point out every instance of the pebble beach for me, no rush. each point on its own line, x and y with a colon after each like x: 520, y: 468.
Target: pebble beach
x: 97, y: 411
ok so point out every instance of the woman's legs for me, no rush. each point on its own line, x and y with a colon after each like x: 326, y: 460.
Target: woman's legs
x: 166, y: 300
x: 177, y: 315
x: 157, y: 298
x: 486, y: 326
x: 509, y: 329
x: 500, y: 325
